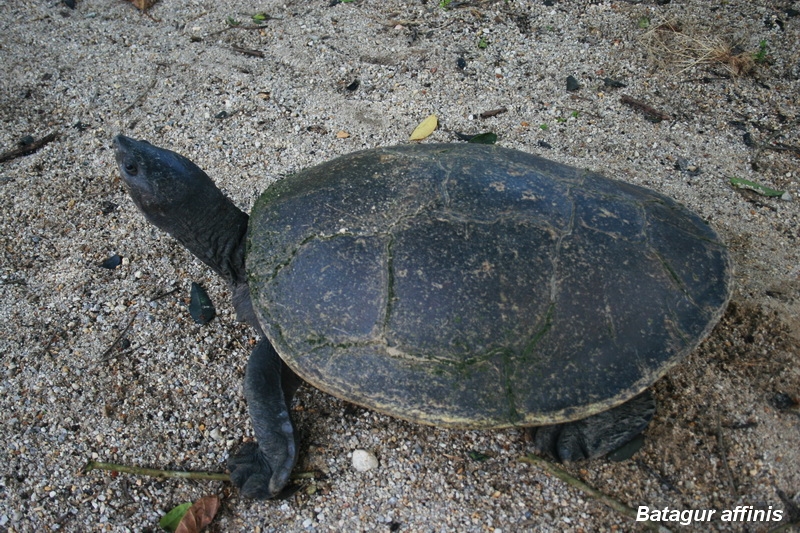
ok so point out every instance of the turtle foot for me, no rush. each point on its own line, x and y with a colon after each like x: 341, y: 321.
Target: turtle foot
x: 253, y: 474
x: 596, y: 435
x: 262, y: 470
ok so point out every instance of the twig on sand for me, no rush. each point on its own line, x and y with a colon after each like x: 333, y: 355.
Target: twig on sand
x: 155, y: 472
x: 770, y: 143
x: 144, y: 94
x: 182, y: 474
x: 569, y: 479
x: 107, y: 354
x: 792, y: 513
x: 723, y: 449
x: 649, y: 111
x: 28, y: 148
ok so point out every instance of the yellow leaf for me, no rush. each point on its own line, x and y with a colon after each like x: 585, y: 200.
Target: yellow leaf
x: 425, y: 128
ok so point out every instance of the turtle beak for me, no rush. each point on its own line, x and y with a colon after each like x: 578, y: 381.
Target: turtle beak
x: 126, y: 145
x: 125, y: 150
x: 121, y: 141
x: 129, y: 160
x: 122, y: 145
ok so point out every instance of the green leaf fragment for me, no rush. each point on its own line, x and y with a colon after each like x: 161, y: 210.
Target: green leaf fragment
x: 761, y: 55
x: 753, y: 186
x: 201, y: 308
x: 171, y: 520
x: 484, y: 138
x: 478, y: 456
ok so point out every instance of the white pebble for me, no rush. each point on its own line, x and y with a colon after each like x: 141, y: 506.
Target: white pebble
x: 364, y: 460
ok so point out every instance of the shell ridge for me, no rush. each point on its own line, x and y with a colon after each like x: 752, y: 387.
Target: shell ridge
x: 567, y: 231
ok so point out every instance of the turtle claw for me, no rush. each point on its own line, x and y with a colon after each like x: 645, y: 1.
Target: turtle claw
x: 596, y: 435
x: 253, y: 475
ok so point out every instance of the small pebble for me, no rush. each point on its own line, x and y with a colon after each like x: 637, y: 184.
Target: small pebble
x: 112, y: 262
x: 609, y: 82
x: 572, y: 84
x: 364, y: 460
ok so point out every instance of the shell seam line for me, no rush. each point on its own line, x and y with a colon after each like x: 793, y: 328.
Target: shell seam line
x: 389, y: 285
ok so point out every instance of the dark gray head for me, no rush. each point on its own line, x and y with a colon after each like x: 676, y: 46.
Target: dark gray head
x: 167, y: 187
x: 178, y: 197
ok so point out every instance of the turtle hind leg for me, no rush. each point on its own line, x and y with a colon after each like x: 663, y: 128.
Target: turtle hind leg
x: 599, y: 434
x: 261, y: 470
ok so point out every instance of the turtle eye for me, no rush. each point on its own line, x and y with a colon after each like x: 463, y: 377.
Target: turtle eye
x: 130, y: 168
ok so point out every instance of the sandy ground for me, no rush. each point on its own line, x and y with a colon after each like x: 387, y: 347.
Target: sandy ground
x: 330, y: 78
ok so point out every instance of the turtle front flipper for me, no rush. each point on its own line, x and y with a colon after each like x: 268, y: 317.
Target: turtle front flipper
x: 261, y: 470
x: 596, y: 435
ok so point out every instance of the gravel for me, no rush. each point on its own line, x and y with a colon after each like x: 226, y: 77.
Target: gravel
x: 168, y: 395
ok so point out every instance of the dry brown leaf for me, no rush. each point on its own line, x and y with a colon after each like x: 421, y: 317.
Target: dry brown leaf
x: 425, y: 128
x: 342, y: 135
x: 143, y: 4
x: 199, y: 515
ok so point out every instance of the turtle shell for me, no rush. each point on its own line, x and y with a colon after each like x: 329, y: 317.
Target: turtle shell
x: 475, y: 286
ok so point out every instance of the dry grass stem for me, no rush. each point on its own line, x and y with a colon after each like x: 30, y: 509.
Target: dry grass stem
x: 690, y: 47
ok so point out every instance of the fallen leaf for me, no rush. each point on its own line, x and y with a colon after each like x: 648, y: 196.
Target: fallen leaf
x: 425, y: 128
x: 143, y: 4
x: 342, y: 135
x: 200, y: 305
x: 478, y: 456
x: 199, y: 515
x: 753, y: 186
x: 172, y: 519
x: 484, y: 138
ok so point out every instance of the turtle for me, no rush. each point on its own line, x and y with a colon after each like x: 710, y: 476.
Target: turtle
x: 457, y: 285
